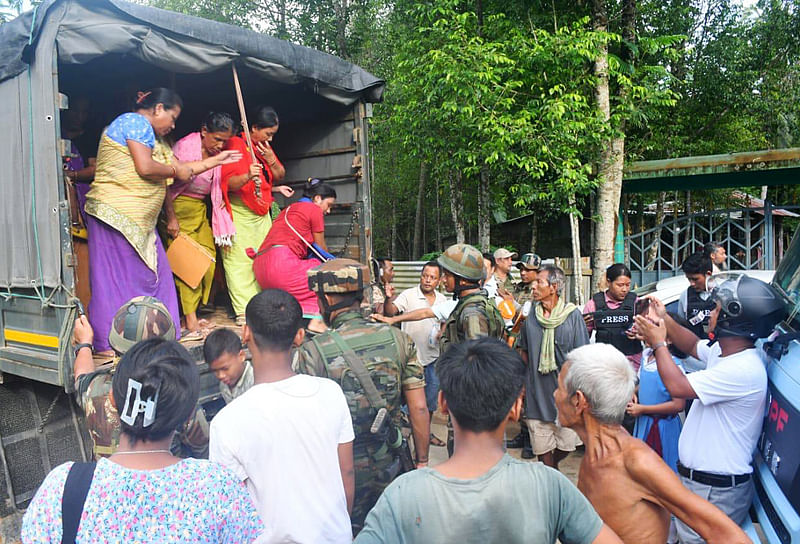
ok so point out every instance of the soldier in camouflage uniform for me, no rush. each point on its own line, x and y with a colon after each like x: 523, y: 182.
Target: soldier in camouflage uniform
x: 475, y: 315
x: 528, y: 266
x: 139, y: 319
x: 389, y: 359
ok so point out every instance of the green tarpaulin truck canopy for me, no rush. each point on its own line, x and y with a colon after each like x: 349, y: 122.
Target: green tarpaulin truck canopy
x: 59, y: 34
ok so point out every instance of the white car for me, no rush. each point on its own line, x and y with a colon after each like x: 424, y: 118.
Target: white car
x: 669, y: 290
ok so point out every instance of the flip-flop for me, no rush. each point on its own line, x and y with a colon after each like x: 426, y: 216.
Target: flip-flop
x: 436, y: 441
x: 192, y: 336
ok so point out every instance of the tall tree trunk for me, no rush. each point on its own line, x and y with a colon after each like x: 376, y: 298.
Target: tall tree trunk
x: 612, y: 157
x: 652, y: 253
x: 626, y: 225
x: 577, y: 271
x: 439, y: 242
x: 687, y: 208
x: 340, y: 9
x: 484, y: 206
x: 423, y: 178
x: 534, y: 232
x: 393, y: 247
x: 283, y: 32
x: 457, y: 206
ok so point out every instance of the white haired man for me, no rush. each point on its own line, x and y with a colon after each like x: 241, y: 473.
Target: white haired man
x: 629, y: 485
x: 553, y: 328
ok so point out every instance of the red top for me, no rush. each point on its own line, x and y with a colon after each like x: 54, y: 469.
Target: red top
x: 306, y: 218
x: 247, y: 193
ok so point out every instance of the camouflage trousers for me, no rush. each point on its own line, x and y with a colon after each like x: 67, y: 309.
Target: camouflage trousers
x: 372, y: 477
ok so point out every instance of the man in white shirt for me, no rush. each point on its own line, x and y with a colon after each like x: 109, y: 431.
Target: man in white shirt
x: 424, y: 332
x: 289, y: 437
x: 723, y: 425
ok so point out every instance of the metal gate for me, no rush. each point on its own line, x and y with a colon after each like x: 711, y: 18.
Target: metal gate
x: 752, y: 237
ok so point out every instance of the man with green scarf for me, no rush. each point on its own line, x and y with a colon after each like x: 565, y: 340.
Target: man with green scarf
x: 544, y: 342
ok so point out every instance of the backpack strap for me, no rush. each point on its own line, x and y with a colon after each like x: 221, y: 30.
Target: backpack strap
x: 76, y: 488
x: 360, y: 370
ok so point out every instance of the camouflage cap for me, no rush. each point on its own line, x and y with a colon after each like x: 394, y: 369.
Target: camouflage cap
x: 139, y: 319
x: 338, y: 276
x: 463, y: 260
x: 530, y: 261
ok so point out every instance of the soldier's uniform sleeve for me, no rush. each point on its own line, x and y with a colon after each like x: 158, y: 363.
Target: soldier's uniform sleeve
x: 474, y: 323
x: 102, y: 422
x: 413, y: 373
x: 377, y: 296
x: 82, y: 383
x: 308, y: 360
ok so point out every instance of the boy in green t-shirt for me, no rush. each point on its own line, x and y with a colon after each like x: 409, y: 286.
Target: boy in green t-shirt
x: 481, y: 494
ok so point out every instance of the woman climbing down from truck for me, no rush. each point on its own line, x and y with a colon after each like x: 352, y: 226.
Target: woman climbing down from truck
x: 189, y: 206
x: 140, y: 492
x: 134, y: 168
x: 247, y: 188
x: 296, y: 244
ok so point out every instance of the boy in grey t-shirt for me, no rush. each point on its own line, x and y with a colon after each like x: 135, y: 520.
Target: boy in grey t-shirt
x: 481, y: 494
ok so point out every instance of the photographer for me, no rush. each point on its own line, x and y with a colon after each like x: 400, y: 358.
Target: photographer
x: 722, y: 428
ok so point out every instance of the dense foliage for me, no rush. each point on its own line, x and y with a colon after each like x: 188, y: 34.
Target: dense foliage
x: 491, y: 108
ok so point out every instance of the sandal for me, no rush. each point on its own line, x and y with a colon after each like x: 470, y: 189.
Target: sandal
x: 192, y: 336
x: 205, y: 324
x: 436, y: 441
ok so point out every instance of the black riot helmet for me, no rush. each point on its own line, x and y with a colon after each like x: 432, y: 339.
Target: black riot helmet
x: 749, y: 307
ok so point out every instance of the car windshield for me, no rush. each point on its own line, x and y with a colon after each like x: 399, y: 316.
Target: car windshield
x: 646, y: 289
x: 787, y: 277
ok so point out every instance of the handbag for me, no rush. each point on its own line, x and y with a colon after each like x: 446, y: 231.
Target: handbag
x: 79, y: 480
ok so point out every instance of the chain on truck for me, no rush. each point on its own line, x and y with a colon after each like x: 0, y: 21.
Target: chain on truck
x: 103, y: 51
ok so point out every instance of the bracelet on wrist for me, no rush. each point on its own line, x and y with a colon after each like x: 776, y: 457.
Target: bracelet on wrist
x: 659, y: 345
x: 174, y: 171
x: 82, y: 345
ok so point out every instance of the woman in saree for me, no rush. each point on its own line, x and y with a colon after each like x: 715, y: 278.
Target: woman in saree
x: 248, y: 189
x: 296, y: 244
x: 189, y: 207
x: 132, y: 172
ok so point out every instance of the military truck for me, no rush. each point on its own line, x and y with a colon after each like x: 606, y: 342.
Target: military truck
x: 104, y: 51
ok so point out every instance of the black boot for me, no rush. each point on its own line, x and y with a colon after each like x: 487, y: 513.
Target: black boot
x: 527, y: 450
x: 516, y: 442
x: 521, y: 439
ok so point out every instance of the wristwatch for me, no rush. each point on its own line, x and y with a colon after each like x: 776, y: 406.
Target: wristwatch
x: 81, y: 346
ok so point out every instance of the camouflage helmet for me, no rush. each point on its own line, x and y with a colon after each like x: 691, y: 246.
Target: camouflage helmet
x: 338, y: 276
x: 139, y: 319
x: 463, y: 260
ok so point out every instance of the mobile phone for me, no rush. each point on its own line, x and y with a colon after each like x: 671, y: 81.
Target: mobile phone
x: 79, y: 306
x: 642, y: 306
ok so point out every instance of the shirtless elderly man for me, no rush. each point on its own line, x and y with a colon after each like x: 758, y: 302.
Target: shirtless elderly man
x: 629, y: 485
